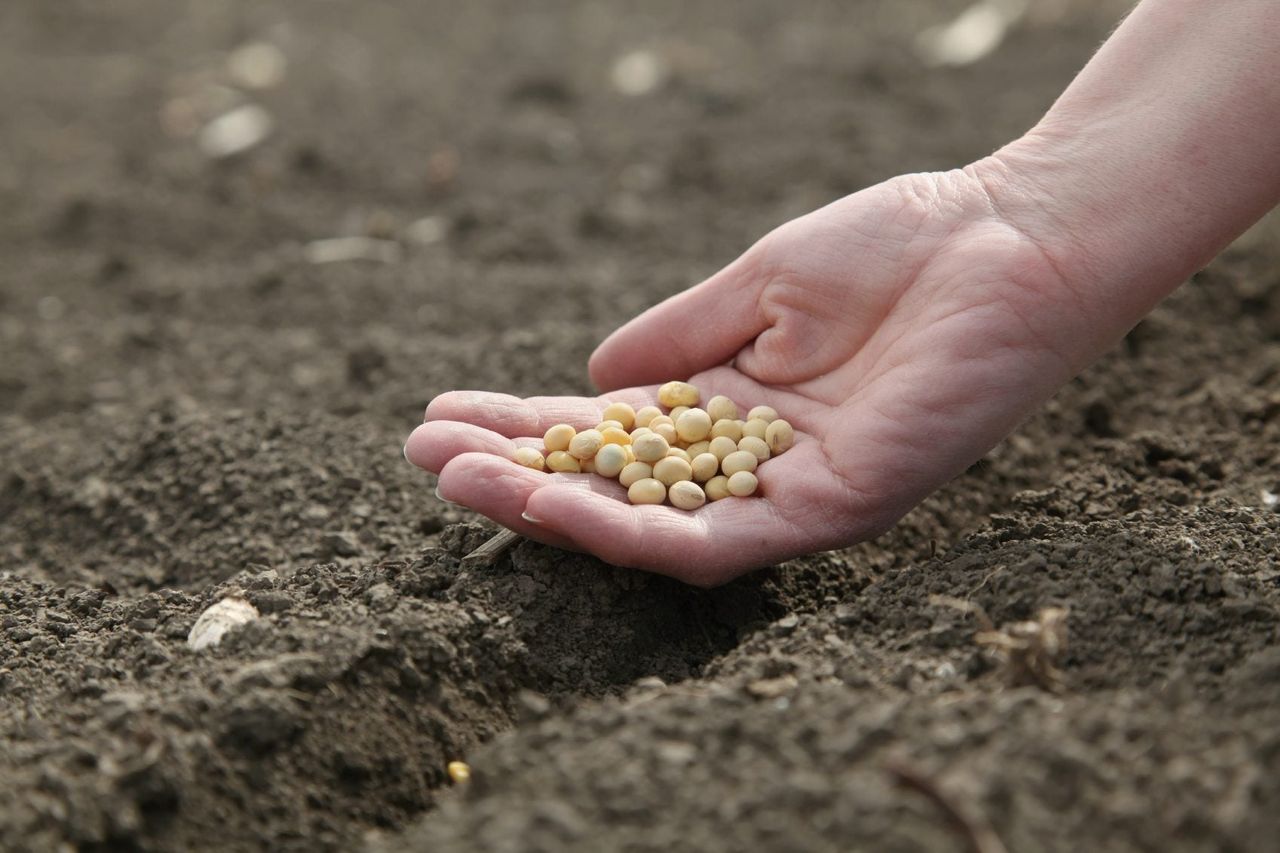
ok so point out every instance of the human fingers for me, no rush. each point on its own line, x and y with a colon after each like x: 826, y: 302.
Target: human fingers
x: 433, y: 444
x: 692, y: 331
x: 513, y: 416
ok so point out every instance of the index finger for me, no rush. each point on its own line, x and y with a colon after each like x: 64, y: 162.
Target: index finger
x: 516, y: 417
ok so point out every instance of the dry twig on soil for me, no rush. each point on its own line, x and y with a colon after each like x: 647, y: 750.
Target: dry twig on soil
x: 1029, y: 651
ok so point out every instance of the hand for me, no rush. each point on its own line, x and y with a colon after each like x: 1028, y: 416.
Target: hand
x: 903, y: 331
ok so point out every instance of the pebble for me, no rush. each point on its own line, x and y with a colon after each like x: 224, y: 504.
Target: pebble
x: 217, y: 620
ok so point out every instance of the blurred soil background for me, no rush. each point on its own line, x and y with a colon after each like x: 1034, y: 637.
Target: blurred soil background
x: 243, y: 244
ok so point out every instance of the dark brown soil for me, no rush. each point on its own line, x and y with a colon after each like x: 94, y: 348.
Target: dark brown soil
x: 190, y: 409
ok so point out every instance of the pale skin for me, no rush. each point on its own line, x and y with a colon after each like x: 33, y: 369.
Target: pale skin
x: 906, y: 329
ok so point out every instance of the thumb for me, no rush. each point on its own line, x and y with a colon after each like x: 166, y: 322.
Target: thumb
x: 692, y: 331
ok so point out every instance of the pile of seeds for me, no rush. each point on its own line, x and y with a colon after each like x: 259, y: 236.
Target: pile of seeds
x: 686, y: 456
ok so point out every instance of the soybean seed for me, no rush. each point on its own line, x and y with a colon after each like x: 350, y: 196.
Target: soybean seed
x: 633, y: 472
x: 764, y: 413
x: 728, y: 428
x: 755, y: 428
x: 722, y: 446
x: 686, y: 495
x: 668, y: 432
x: 585, y: 444
x: 604, y: 425
x: 561, y: 462
x: 755, y: 446
x: 558, y: 437
x: 780, y: 436
x: 675, y: 413
x: 644, y: 414
x: 742, y: 484
x: 639, y: 431
x: 530, y: 458
x: 615, y: 435
x: 631, y: 454
x: 722, y: 408
x: 705, y: 466
x: 671, y: 470
x: 587, y: 466
x: 717, y: 488
x: 693, y: 425
x: 675, y: 394
x: 620, y: 412
x: 698, y: 448
x: 680, y: 453
x: 660, y: 420
x: 610, y: 460
x: 650, y: 447
x: 647, y: 491
x: 738, y: 460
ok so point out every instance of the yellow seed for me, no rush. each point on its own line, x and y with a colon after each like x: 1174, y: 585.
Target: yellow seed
x: 639, y: 431
x: 659, y: 421
x: 647, y: 491
x: 680, y: 453
x: 530, y: 458
x: 675, y: 394
x: 650, y: 448
x: 755, y: 428
x: 717, y: 488
x: 615, y: 435
x: 672, y: 469
x: 585, y: 444
x: 587, y: 466
x: 459, y: 772
x: 705, y: 466
x: 764, y: 413
x: 738, y: 460
x: 610, y: 460
x: 722, y: 408
x: 727, y: 428
x: 742, y: 484
x: 698, y: 448
x: 693, y: 425
x: 644, y: 414
x: 675, y: 413
x: 686, y: 495
x: 668, y: 432
x: 722, y: 446
x: 558, y: 437
x: 780, y: 436
x: 635, y: 471
x: 562, y: 462
x: 620, y: 412
x: 755, y: 446
x: 631, y: 454
x: 604, y: 425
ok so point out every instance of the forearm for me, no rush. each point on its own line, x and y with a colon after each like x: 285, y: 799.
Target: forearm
x: 1164, y: 149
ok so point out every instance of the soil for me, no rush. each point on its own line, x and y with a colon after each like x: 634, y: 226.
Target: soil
x: 192, y: 409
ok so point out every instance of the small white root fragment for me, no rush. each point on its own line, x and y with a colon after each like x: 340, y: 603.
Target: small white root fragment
x: 217, y: 620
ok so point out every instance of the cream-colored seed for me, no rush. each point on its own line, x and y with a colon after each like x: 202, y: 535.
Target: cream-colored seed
x: 604, y: 425
x: 705, y: 466
x: 530, y: 458
x: 650, y: 448
x: 562, y: 462
x: 738, y: 460
x: 633, y: 472
x: 755, y: 446
x: 722, y: 446
x: 631, y: 454
x: 675, y: 413
x: 780, y: 436
x: 639, y: 431
x: 727, y: 428
x: 693, y: 425
x: 587, y: 466
x: 672, y: 469
x: 585, y: 444
x: 742, y: 484
x: 675, y: 394
x: 722, y: 408
x: 717, y: 488
x: 768, y: 414
x: 668, y: 432
x: 610, y: 460
x: 680, y: 453
x: 615, y: 435
x: 647, y: 491
x: 755, y: 428
x: 620, y: 412
x: 686, y: 495
x: 698, y: 448
x: 644, y: 414
x: 660, y: 420
x: 558, y: 437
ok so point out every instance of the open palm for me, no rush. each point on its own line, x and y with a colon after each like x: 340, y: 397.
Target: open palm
x: 903, y: 331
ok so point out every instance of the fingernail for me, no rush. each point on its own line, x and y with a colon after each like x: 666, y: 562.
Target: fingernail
x: 443, y: 499
x: 531, y: 519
